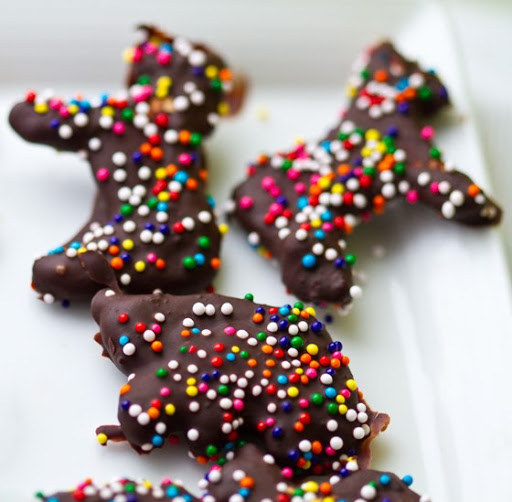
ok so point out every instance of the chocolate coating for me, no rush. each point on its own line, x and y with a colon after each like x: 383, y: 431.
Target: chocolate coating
x: 222, y: 370
x: 301, y: 204
x: 152, y: 225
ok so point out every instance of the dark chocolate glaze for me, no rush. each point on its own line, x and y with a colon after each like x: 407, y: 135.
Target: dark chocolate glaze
x: 258, y: 478
x: 233, y: 371
x: 379, y: 152
x: 152, y: 225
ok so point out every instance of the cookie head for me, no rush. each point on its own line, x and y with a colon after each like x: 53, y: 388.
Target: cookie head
x: 187, y: 81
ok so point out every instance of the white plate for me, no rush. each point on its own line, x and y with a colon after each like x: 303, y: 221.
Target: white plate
x: 430, y: 340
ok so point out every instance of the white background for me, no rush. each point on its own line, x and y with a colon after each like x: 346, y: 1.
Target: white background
x: 429, y: 341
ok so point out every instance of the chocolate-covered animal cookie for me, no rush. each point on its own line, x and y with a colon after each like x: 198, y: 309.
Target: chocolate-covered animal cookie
x: 253, y: 476
x: 152, y: 225
x: 301, y: 204
x: 124, y: 490
x: 223, y: 370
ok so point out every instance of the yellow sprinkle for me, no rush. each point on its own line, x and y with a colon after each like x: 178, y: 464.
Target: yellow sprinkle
x: 351, y: 384
x: 372, y: 134
x: 223, y: 228
x: 310, y: 486
x: 293, y: 391
x: 161, y: 173
x: 73, y: 109
x: 163, y: 196
x: 102, y: 438
x: 140, y: 266
x: 351, y: 91
x: 164, y: 81
x: 161, y: 92
x: 41, y: 108
x: 261, y: 113
x: 191, y: 381
x: 170, y: 409
x: 312, y: 349
x: 328, y: 499
x: 366, y: 151
x: 81, y: 250
x: 381, y: 147
x: 310, y: 310
x: 148, y: 484
x: 299, y: 371
x: 235, y: 349
x: 223, y: 108
x: 192, y: 391
x: 128, y: 55
x: 211, y: 71
x: 340, y: 399
x: 337, y: 188
x: 108, y: 110
x: 295, y: 311
x: 316, y: 223
x: 324, y: 183
x: 342, y: 409
x: 128, y: 244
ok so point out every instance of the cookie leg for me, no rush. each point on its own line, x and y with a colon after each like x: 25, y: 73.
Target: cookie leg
x: 72, y: 276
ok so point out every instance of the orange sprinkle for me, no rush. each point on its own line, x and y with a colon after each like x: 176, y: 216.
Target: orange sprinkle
x: 153, y: 412
x: 225, y: 74
x: 267, y: 349
x: 345, y: 360
x: 215, y: 263
x: 203, y: 174
x: 262, y: 159
x: 410, y: 93
x: 191, y: 184
x: 157, y: 346
x: 315, y: 190
x: 184, y: 136
x: 270, y: 363
x: 335, y: 363
x: 247, y: 482
x: 185, y: 333
x: 380, y: 75
x: 201, y: 460
x: 314, y: 364
x: 252, y: 363
x: 305, y: 358
x: 113, y: 250
x: 145, y: 148
x: 257, y: 318
x: 117, y: 263
x: 316, y: 447
x: 160, y: 264
x: 125, y: 388
x: 343, y: 169
x: 299, y: 427
x: 325, y: 488
x: 473, y: 190
x: 157, y: 153
x: 266, y: 373
x: 304, y: 379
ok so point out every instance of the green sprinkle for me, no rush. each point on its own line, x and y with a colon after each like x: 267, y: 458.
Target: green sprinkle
x: 297, y: 342
x: 204, y: 242
x: 317, y: 399
x: 223, y: 390
x: 350, y: 259
x: 161, y: 373
x: 189, y: 262
x: 399, y: 168
x: 126, y: 209
x: 249, y: 296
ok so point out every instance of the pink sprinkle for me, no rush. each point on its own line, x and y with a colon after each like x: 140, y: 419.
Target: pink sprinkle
x: 300, y: 187
x: 202, y: 387
x: 269, y: 422
x: 358, y: 171
x: 151, y: 48
x: 337, y: 355
x: 151, y: 257
x: 314, y: 178
x: 118, y: 128
x: 275, y: 209
x: 275, y: 191
x: 166, y: 481
x: 163, y: 58
x: 293, y: 174
x: 428, y: 132
x: 165, y: 391
x: 55, y: 104
x: 304, y: 403
x: 330, y: 451
x: 102, y: 174
x: 366, y: 216
x: 327, y: 226
x: 267, y: 182
x: 156, y: 329
x: 185, y: 159
x: 311, y: 373
x: 412, y: 196
x: 229, y: 330
x: 345, y: 393
x: 246, y: 202
x: 286, y: 472
x: 137, y: 55
x: 63, y: 112
x: 434, y: 187
x: 238, y: 404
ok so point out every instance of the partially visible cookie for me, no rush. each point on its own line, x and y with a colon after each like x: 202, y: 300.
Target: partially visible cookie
x: 253, y: 476
x: 302, y: 204
x: 152, y: 224
x: 122, y: 490
x: 221, y: 371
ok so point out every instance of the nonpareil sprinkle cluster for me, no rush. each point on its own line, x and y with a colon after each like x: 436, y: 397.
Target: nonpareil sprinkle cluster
x: 222, y: 370
x: 152, y: 225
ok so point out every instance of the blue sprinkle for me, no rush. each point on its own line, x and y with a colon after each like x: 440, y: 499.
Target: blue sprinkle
x: 309, y: 261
